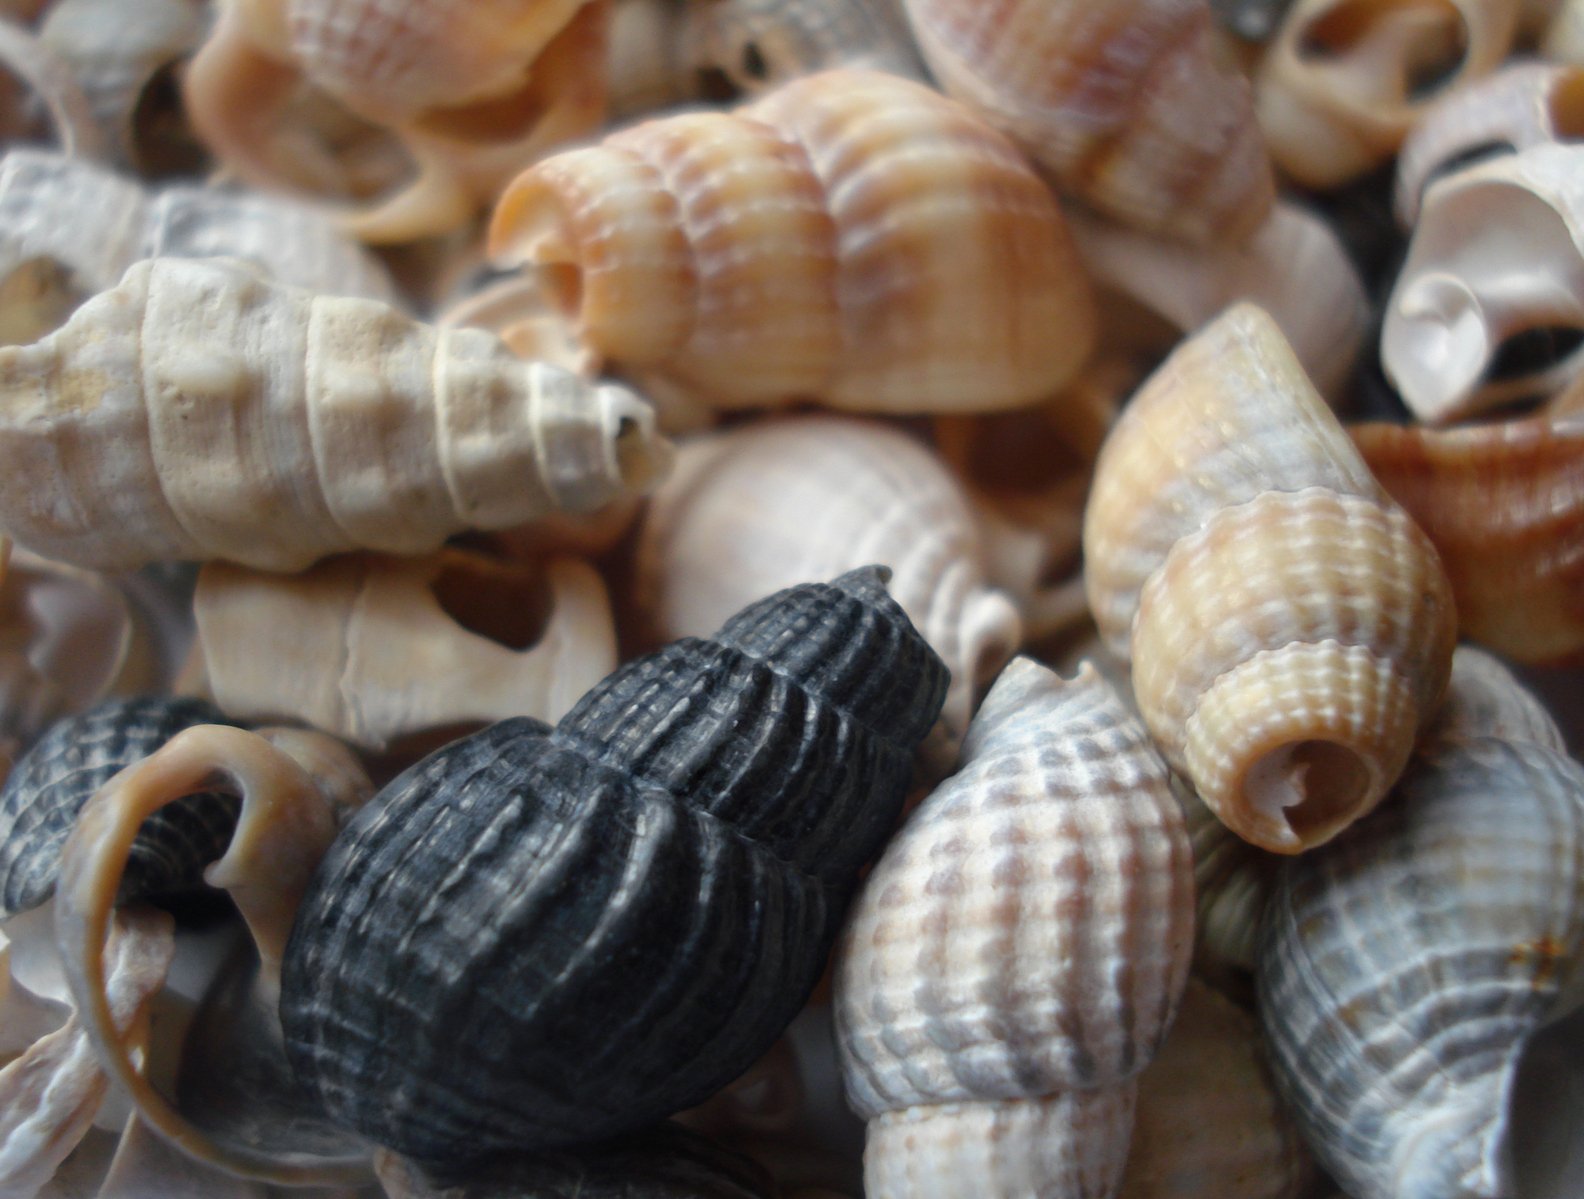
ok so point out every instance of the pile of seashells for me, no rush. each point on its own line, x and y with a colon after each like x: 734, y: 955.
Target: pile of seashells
x: 642, y: 599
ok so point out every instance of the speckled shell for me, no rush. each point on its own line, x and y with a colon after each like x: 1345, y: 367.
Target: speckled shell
x: 1405, y: 966
x: 1208, y: 1124
x: 1122, y: 101
x: 1237, y: 547
x: 1504, y: 505
x: 756, y: 509
x: 1026, y: 933
x: 1343, y: 83
x: 1497, y: 254
x: 54, y: 779
x: 199, y: 411
x: 1521, y: 105
x: 610, y: 920
x: 758, y: 45
x: 372, y: 648
x: 852, y: 237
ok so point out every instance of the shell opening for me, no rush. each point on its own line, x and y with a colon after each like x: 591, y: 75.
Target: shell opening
x: 515, y: 617
x: 1312, y: 785
x: 163, y: 145
x: 1567, y: 107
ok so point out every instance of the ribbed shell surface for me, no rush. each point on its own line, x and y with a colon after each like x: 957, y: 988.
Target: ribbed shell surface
x: 60, y: 773
x: 1404, y: 965
x: 537, y: 936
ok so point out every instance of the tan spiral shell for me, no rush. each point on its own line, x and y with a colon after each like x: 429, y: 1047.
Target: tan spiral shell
x: 1122, y: 101
x: 852, y: 237
x: 1237, y: 547
x: 198, y: 411
x: 1016, y: 956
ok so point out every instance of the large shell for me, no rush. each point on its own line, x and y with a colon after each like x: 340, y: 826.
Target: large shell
x: 1494, y: 273
x: 1122, y: 102
x: 758, y: 45
x: 1020, y: 947
x: 1406, y: 965
x: 1346, y: 80
x: 1236, y: 544
x: 1504, y: 505
x: 852, y: 237
x: 371, y: 648
x: 199, y: 411
x: 753, y: 510
x: 538, y: 936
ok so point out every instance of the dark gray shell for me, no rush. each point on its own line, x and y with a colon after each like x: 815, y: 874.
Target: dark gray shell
x: 538, y: 937
x: 77, y: 756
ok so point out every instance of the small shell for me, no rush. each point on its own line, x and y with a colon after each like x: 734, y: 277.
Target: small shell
x: 1232, y: 882
x: 1496, y: 261
x: 371, y: 649
x: 1208, y: 1124
x: 1527, y: 104
x: 1504, y: 506
x: 1236, y: 545
x: 757, y: 45
x: 1293, y: 266
x: 852, y: 237
x: 1017, y: 954
x: 754, y: 510
x: 1346, y: 80
x: 237, y: 418
x: 1406, y: 966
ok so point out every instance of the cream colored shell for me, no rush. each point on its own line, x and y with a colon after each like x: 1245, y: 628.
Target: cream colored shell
x: 852, y: 237
x: 1290, y: 628
x: 198, y: 411
x: 363, y: 647
x: 40, y: 96
x: 1017, y: 954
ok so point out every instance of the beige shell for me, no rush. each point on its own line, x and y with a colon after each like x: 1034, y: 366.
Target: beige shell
x: 852, y: 237
x: 1563, y: 39
x: 40, y: 98
x: 198, y: 411
x: 751, y: 511
x: 757, y: 45
x: 1238, y: 549
x: 371, y: 649
x: 1346, y: 80
x: 1522, y: 105
x: 646, y: 69
x: 1209, y: 1124
x: 1496, y: 258
x: 1293, y: 266
x: 1016, y: 956
x: 1121, y: 101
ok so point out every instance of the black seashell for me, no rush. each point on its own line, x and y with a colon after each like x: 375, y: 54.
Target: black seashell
x: 537, y: 937
x: 78, y: 755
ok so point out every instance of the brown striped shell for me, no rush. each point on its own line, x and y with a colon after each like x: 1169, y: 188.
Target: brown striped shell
x: 1237, y: 548
x: 852, y: 237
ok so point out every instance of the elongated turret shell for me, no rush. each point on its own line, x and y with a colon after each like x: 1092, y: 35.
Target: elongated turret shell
x: 1236, y: 545
x: 852, y: 237
x: 492, y: 945
x: 756, y: 509
x: 1121, y: 101
x: 1406, y: 966
x: 199, y: 411
x: 1017, y: 954
x: 760, y: 44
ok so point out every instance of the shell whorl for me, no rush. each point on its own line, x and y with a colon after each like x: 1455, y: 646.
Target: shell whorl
x: 639, y: 899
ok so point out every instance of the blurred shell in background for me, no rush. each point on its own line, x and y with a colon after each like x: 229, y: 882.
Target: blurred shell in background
x: 40, y: 98
x: 757, y: 45
x: 646, y: 69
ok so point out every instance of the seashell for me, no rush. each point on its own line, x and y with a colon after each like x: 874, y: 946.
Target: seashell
x: 756, y: 509
x: 119, y: 58
x: 645, y: 70
x: 1522, y: 105
x: 1563, y: 37
x: 1232, y: 882
x: 361, y: 428
x: 1122, y: 102
x: 1237, y: 545
x: 1208, y: 1124
x: 1489, y: 304
x: 1251, y: 20
x: 40, y: 99
x: 1293, y: 266
x: 758, y: 45
x: 1017, y: 954
x: 52, y: 781
x: 1484, y: 699
x: 678, y: 855
x: 1504, y: 505
x: 1347, y: 80
x: 895, y: 255
x: 370, y: 649
x: 1405, y: 967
